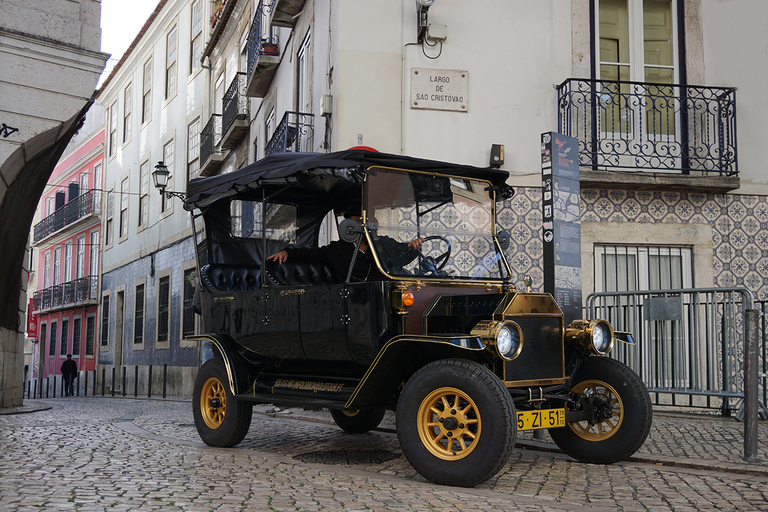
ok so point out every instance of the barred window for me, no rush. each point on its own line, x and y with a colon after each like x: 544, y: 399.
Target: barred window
x: 105, y: 321
x: 163, y: 303
x: 90, y: 331
x: 64, y: 340
x: 76, y: 326
x: 620, y: 268
x: 138, y: 316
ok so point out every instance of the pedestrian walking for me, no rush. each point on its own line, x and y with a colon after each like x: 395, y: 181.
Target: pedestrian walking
x: 68, y: 373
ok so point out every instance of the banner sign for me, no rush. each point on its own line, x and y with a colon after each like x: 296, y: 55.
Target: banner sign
x: 31, y: 322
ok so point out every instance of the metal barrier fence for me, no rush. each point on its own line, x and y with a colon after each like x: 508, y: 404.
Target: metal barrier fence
x: 101, y: 383
x: 698, y: 343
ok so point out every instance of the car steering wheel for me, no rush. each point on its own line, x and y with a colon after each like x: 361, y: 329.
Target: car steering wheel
x: 428, y: 264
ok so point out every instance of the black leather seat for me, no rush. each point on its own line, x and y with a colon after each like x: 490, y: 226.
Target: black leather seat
x: 230, y: 278
x: 301, y: 273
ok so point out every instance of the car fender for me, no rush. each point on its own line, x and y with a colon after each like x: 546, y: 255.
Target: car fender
x: 402, y: 356
x: 239, y: 370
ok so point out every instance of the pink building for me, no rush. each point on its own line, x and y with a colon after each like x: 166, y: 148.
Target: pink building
x: 65, y: 245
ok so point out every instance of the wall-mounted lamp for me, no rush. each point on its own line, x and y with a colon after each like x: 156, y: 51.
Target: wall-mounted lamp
x: 160, y: 178
x: 422, y: 6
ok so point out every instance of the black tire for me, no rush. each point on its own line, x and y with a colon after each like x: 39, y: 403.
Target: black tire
x: 358, y: 421
x: 456, y: 422
x: 220, y: 418
x: 616, y: 437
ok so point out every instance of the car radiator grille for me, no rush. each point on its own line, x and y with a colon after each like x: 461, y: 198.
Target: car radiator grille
x: 542, y: 354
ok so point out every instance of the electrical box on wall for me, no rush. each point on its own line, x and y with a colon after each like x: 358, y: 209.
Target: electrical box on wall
x: 437, y: 32
x: 326, y: 105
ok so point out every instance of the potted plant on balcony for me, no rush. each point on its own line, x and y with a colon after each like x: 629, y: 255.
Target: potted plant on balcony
x: 269, y: 48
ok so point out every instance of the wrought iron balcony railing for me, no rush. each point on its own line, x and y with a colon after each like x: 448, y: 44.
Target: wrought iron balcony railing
x: 79, y: 207
x: 235, y: 103
x: 259, y: 41
x: 294, y: 134
x: 647, y: 126
x: 66, y: 294
x: 210, y: 137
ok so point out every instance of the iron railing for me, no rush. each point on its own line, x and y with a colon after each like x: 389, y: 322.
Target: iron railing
x: 79, y: 207
x: 65, y: 294
x: 235, y: 102
x: 658, y: 127
x: 210, y: 138
x: 294, y: 134
x: 258, y: 44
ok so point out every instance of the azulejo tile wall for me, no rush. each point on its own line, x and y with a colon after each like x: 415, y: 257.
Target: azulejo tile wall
x: 739, y: 224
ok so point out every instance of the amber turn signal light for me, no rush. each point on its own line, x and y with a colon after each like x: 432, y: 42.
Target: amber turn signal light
x: 407, y: 299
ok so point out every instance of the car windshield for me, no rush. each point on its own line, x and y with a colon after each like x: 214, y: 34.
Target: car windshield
x: 451, y: 218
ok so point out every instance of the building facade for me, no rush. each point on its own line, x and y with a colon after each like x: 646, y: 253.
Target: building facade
x: 154, y: 100
x: 669, y: 196
x: 65, y: 250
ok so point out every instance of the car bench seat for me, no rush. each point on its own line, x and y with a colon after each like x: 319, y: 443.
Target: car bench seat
x: 299, y: 273
x: 231, y: 278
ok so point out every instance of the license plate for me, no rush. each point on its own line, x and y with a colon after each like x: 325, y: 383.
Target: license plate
x: 543, y: 418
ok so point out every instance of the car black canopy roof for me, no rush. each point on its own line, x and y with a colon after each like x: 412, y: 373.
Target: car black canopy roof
x: 349, y: 165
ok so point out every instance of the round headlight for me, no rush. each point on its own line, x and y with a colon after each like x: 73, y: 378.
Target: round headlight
x: 508, y: 341
x: 601, y: 338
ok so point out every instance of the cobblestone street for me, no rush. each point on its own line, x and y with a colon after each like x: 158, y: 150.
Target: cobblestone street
x: 94, y: 453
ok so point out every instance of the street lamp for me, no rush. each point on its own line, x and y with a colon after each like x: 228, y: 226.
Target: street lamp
x: 160, y: 177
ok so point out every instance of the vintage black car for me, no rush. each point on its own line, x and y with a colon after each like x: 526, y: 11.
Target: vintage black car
x: 435, y: 330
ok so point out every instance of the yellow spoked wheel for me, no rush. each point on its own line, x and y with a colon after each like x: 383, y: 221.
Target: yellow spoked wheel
x: 213, y: 403
x: 449, y: 423
x: 612, y: 410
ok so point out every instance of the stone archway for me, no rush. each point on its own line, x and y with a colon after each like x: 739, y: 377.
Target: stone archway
x: 22, y: 179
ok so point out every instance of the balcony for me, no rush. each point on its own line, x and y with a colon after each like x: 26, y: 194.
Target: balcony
x: 263, y: 54
x: 674, y: 135
x: 284, y: 12
x: 235, y: 113
x: 211, y: 157
x: 80, y: 207
x: 80, y: 292
x: 294, y: 134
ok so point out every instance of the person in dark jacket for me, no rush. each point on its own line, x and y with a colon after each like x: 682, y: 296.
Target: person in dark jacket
x: 68, y: 373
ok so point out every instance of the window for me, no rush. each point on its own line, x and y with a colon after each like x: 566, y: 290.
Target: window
x: 47, y: 270
x: 163, y: 304
x: 127, y: 111
x: 50, y: 207
x: 146, y: 95
x: 269, y: 125
x: 90, y: 331
x: 124, y: 208
x: 83, y: 183
x: 188, y: 328
x: 304, y: 96
x: 143, y: 194
x: 94, y: 256
x: 105, y: 321
x: 166, y: 202
x: 52, y: 341
x: 64, y: 341
x: 138, y: 316
x: 81, y: 257
x: 109, y: 225
x: 68, y: 263
x: 637, y: 44
x: 113, y: 128
x: 43, y: 333
x: 97, y: 187
x: 56, y: 266
x: 196, y: 34
x: 193, y: 148
x: 170, y: 63
x: 76, y: 333
x: 633, y: 268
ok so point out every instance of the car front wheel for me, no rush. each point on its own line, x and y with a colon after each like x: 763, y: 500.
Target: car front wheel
x: 623, y: 413
x: 455, y: 422
x: 220, y: 418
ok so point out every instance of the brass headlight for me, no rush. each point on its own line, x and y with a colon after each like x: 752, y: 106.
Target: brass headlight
x: 506, y: 337
x: 595, y: 336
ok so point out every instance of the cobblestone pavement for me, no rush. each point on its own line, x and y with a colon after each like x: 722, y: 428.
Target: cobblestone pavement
x: 94, y: 453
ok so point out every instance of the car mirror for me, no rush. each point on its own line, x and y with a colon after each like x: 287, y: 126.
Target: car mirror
x: 350, y: 230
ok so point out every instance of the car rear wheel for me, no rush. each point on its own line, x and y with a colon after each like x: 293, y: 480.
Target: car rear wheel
x: 358, y: 421
x: 623, y: 410
x: 220, y: 418
x: 455, y: 422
